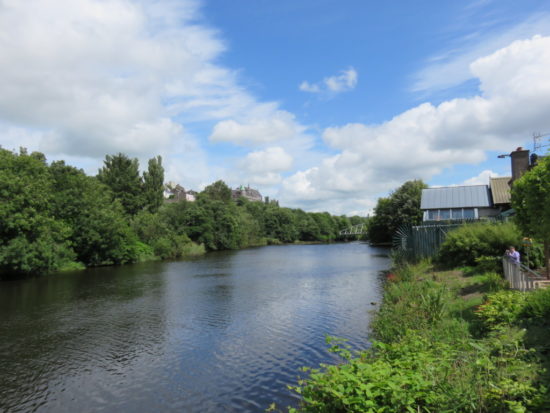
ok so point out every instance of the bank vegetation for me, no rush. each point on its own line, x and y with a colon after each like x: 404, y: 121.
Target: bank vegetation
x: 53, y: 217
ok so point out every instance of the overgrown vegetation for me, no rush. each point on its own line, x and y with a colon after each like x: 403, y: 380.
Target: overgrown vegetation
x: 54, y: 216
x: 483, y: 244
x: 446, y: 342
x: 531, y: 200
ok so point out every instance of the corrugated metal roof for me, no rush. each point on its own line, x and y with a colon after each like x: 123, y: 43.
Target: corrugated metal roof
x: 500, y: 189
x: 456, y: 197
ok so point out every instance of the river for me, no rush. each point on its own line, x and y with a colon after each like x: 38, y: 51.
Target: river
x: 225, y: 332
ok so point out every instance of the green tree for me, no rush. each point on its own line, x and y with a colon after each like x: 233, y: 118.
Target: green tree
x: 153, y: 184
x: 121, y: 174
x: 531, y: 201
x: 402, y: 207
x: 280, y: 223
x: 31, y: 239
x: 100, y: 231
x: 218, y: 191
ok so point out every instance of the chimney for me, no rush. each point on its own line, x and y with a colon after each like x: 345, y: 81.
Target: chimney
x: 520, y: 162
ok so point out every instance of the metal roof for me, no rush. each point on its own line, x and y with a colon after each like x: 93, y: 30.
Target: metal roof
x: 456, y: 197
x: 500, y: 189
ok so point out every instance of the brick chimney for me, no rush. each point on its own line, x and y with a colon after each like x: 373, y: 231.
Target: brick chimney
x: 520, y: 162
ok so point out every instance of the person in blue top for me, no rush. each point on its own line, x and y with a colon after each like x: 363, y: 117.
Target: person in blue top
x: 513, y: 255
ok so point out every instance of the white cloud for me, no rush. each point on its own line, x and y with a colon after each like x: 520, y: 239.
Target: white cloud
x: 343, y: 82
x: 264, y: 167
x: 452, y: 67
x: 92, y: 75
x: 260, y: 127
x: 514, y: 100
x: 481, y: 179
x: 273, y: 159
x: 84, y: 78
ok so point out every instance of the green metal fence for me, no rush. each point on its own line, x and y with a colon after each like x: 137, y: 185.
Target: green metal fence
x: 422, y: 241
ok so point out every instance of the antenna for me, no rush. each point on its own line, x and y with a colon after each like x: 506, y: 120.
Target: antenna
x: 537, y: 141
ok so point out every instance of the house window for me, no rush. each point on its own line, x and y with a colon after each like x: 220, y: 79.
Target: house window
x: 456, y: 213
x: 444, y: 214
x: 469, y: 213
x: 433, y: 215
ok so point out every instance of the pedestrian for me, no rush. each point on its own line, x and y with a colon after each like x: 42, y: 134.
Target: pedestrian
x: 513, y: 255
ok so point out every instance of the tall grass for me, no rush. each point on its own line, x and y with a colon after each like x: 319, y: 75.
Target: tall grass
x: 427, y: 358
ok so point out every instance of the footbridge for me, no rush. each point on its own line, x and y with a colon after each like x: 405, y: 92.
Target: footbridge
x: 358, y: 229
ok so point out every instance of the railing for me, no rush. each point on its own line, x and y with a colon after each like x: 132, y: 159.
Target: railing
x: 358, y: 229
x: 521, y: 277
x: 422, y: 241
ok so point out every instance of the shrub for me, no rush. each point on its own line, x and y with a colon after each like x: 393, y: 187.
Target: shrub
x: 537, y: 307
x: 488, y: 264
x: 473, y: 241
x: 501, y: 309
x: 417, y: 374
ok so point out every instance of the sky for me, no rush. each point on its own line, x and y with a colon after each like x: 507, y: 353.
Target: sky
x: 324, y: 105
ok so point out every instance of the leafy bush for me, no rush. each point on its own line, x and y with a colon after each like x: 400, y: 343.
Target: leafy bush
x: 191, y: 249
x: 537, y: 307
x: 495, y: 282
x: 488, y: 264
x: 480, y: 241
x: 501, y: 309
x: 417, y: 374
x: 428, y: 360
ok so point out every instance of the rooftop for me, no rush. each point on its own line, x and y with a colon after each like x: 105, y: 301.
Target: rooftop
x: 500, y: 189
x: 456, y: 197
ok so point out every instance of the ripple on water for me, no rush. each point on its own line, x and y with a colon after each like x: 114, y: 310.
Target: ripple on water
x: 225, y: 332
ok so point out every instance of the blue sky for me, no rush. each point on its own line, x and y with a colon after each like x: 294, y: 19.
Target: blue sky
x: 324, y: 105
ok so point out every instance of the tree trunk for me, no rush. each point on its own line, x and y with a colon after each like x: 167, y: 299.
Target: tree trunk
x: 547, y: 258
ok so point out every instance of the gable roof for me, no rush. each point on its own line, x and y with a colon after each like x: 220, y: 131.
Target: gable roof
x: 500, y: 189
x: 456, y: 197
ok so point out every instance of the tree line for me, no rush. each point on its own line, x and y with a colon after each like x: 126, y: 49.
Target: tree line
x: 53, y: 216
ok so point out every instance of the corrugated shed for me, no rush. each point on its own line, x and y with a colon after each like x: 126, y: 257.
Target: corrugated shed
x: 456, y: 197
x: 500, y: 189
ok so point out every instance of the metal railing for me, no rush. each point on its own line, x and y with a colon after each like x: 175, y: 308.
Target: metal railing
x: 521, y: 277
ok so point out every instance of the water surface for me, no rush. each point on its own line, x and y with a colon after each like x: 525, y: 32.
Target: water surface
x: 226, y: 332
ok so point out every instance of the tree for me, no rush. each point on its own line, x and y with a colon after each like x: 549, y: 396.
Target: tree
x: 100, y: 230
x: 402, y: 207
x: 31, y: 239
x: 121, y: 174
x: 153, y: 185
x: 531, y: 201
x: 218, y: 191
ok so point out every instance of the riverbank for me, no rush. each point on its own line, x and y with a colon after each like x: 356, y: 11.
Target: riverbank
x: 455, y: 341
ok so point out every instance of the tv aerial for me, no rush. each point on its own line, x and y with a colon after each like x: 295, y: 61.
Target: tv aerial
x: 538, y: 141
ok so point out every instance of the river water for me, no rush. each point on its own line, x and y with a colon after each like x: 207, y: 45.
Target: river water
x: 226, y: 332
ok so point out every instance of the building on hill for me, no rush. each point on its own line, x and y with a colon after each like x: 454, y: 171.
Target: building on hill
x: 174, y: 192
x: 246, y: 192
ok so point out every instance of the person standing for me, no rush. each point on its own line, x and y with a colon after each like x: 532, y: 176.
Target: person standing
x: 513, y: 255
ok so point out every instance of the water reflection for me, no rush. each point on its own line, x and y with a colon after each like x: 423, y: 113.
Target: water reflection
x: 224, y: 332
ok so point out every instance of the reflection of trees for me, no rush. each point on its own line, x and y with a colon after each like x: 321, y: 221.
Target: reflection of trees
x: 69, y: 325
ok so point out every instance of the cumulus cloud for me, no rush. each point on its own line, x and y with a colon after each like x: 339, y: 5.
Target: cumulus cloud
x: 91, y: 75
x: 452, y: 67
x: 514, y: 100
x: 273, y: 159
x: 264, y: 167
x: 343, y: 82
x: 482, y: 178
x: 85, y: 78
x: 259, y: 127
